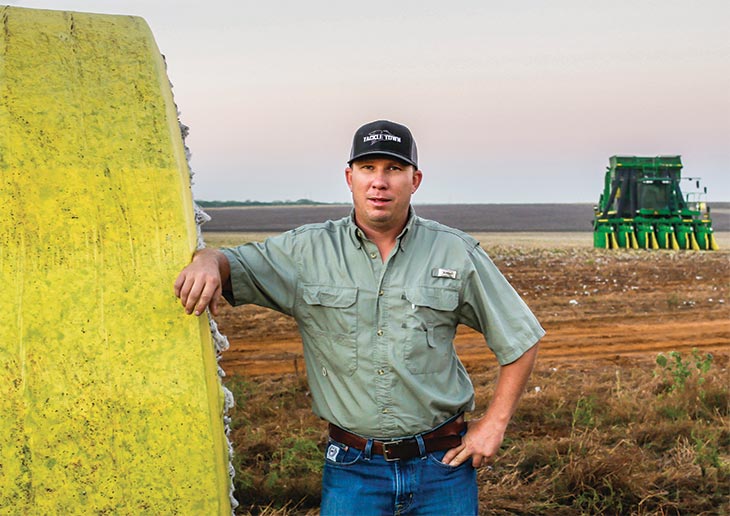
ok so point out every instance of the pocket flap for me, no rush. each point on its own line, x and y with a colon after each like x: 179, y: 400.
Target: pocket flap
x: 437, y: 298
x: 327, y: 295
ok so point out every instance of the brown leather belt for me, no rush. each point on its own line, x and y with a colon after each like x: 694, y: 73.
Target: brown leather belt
x: 444, y: 437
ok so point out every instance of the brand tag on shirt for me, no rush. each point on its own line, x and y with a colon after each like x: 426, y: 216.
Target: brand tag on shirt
x: 332, y: 452
x: 443, y: 273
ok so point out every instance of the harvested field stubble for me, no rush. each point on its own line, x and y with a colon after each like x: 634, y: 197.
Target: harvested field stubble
x: 602, y: 428
x: 587, y: 439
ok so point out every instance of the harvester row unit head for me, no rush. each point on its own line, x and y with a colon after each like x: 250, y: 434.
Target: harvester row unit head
x: 642, y: 207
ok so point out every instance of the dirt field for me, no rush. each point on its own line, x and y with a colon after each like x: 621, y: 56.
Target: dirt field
x: 467, y: 217
x: 596, y: 305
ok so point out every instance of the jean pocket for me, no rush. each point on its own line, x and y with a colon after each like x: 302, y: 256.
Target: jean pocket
x: 338, y: 454
x: 438, y: 457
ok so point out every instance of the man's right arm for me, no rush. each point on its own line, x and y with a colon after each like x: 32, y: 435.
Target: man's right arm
x: 201, y: 283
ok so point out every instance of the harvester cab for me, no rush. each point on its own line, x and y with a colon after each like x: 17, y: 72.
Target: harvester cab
x: 642, y: 207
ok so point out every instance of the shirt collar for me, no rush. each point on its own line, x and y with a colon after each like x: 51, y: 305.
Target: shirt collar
x: 402, y: 238
x: 357, y: 235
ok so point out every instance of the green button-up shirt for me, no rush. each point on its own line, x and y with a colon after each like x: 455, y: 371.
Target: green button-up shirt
x: 378, y: 337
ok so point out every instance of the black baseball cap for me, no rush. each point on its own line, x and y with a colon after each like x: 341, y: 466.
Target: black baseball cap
x: 386, y: 138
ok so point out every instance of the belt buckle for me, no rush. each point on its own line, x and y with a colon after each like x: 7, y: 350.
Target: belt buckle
x: 386, y: 445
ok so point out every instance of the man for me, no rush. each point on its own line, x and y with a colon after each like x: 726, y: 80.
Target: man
x: 377, y: 297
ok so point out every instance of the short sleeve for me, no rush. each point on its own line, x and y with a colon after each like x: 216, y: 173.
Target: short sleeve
x: 492, y: 306
x: 264, y: 273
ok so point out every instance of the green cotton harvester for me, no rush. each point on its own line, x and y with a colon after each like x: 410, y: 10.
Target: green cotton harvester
x: 642, y: 207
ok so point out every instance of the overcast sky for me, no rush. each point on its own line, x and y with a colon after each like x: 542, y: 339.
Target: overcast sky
x: 508, y: 101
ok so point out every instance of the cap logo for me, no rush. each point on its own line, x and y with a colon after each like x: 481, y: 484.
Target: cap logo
x: 381, y: 135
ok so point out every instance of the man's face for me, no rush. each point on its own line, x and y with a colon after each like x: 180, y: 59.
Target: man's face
x: 381, y: 191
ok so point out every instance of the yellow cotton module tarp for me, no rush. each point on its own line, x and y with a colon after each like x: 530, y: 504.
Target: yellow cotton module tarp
x: 110, y: 401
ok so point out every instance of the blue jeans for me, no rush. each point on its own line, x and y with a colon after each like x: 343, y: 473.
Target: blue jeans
x: 361, y: 483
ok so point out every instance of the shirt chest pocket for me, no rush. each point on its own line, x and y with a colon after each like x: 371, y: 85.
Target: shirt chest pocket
x: 430, y: 329
x: 329, y: 316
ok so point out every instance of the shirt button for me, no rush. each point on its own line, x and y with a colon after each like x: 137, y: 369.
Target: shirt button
x: 373, y: 255
x: 385, y: 411
x: 381, y: 293
x: 381, y: 372
x: 380, y: 333
x: 324, y: 371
